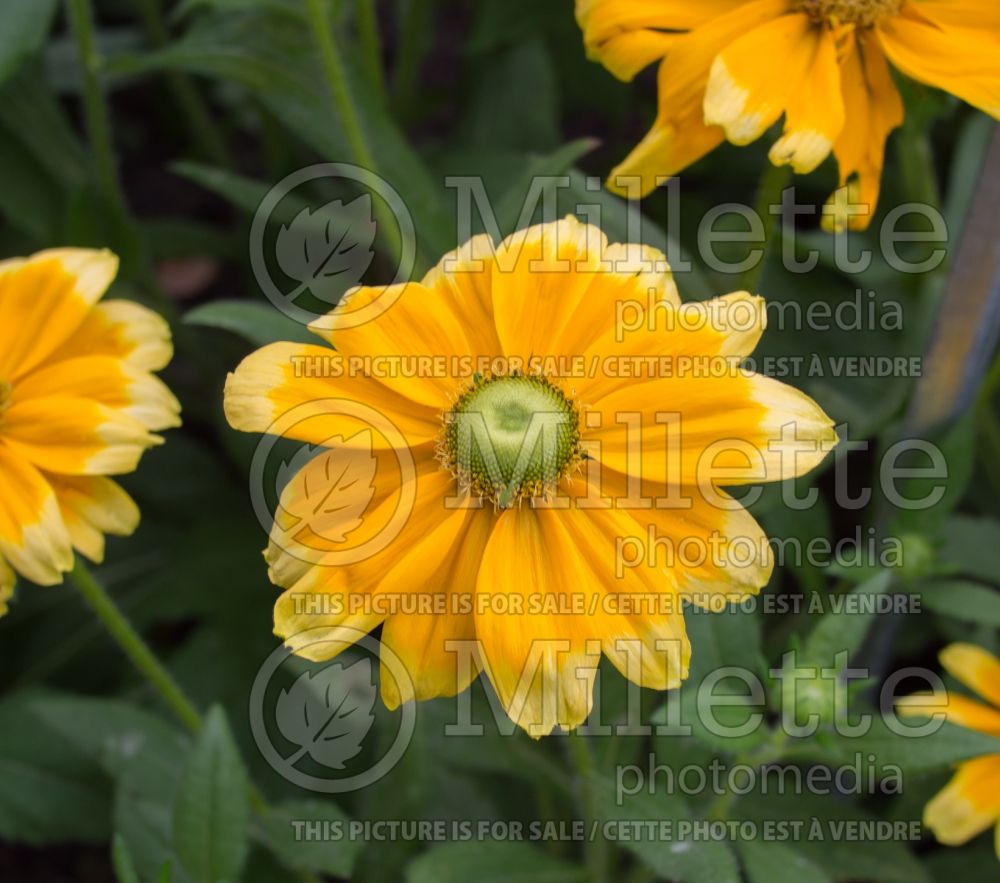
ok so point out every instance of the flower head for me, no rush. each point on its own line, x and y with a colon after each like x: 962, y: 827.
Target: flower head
x: 555, y: 426
x: 731, y: 68
x: 970, y: 803
x: 78, y: 402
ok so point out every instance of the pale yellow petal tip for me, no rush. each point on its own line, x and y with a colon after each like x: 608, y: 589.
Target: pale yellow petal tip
x: 845, y: 210
x: 94, y: 269
x: 726, y: 105
x: 923, y: 704
x: 966, y: 662
x: 803, y: 151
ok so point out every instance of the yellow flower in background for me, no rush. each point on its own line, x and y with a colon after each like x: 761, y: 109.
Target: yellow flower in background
x: 971, y: 801
x: 731, y: 68
x: 77, y: 403
x: 515, y: 538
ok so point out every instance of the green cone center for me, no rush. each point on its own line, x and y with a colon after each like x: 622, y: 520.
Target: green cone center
x: 511, y: 437
x: 863, y: 13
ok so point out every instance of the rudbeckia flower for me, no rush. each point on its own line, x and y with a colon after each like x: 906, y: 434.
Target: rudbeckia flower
x: 559, y: 409
x: 77, y: 403
x: 729, y: 69
x: 970, y: 803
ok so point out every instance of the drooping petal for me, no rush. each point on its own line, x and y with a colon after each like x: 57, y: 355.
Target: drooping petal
x: 873, y: 108
x: 91, y: 507
x: 753, y: 80
x: 49, y: 293
x: 627, y: 35
x: 963, y: 59
x: 311, y: 394
x: 969, y: 804
x: 680, y: 135
x: 33, y: 538
x: 814, y: 116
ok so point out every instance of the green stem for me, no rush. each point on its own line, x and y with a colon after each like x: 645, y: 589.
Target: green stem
x: 134, y: 647
x: 357, y: 141
x: 412, y: 40
x: 597, y: 850
x: 95, y: 107
x: 138, y: 652
x: 371, y: 47
x: 195, y: 113
x: 770, y: 752
x: 772, y: 184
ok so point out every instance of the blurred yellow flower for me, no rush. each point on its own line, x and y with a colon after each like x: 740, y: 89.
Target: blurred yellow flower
x: 77, y: 403
x: 971, y: 801
x: 731, y: 68
x: 513, y: 538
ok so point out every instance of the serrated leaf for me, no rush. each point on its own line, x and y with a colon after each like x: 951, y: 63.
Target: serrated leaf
x: 324, y: 855
x: 966, y: 601
x: 328, y: 713
x: 212, y: 808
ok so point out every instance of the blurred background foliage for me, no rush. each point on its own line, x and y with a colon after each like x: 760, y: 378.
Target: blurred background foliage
x: 210, y: 103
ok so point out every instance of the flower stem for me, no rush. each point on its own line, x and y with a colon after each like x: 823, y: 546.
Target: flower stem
x: 336, y: 77
x: 371, y: 46
x: 133, y: 646
x: 772, y: 184
x: 597, y: 851
x: 95, y: 107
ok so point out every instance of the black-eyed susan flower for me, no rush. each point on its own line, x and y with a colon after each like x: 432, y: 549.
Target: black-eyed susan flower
x: 729, y: 69
x: 562, y: 413
x: 78, y: 403
x: 970, y: 803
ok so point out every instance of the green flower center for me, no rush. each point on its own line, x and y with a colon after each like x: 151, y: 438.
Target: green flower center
x: 862, y: 13
x: 513, y: 437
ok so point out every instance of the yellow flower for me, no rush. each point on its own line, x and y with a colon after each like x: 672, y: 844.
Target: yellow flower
x: 731, y: 68
x: 970, y: 803
x: 77, y: 403
x: 516, y: 538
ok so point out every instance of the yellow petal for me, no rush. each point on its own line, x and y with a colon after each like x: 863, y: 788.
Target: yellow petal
x: 91, y: 507
x: 75, y: 436
x: 33, y: 538
x: 873, y: 108
x: 312, y: 394
x: 969, y: 804
x: 51, y: 293
x: 975, y: 667
x: 957, y: 709
x: 963, y: 60
x: 753, y: 80
x: 815, y: 112
x: 125, y: 330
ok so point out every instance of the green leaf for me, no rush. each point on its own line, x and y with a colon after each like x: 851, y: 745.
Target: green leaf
x: 52, y: 791
x: 918, y: 753
x: 333, y: 855
x: 24, y: 25
x: 844, y: 629
x: 212, y: 808
x: 969, y: 602
x: 686, y: 859
x: 491, y: 861
x: 122, y: 861
x: 259, y: 323
x: 971, y: 546
x: 768, y: 861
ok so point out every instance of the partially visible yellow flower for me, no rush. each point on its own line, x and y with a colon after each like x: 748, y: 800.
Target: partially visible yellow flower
x: 731, y: 68
x: 78, y: 403
x: 512, y: 539
x: 971, y: 801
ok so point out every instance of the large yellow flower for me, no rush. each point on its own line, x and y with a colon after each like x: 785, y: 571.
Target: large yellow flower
x: 971, y: 801
x: 731, y: 68
x: 560, y: 411
x: 77, y: 403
